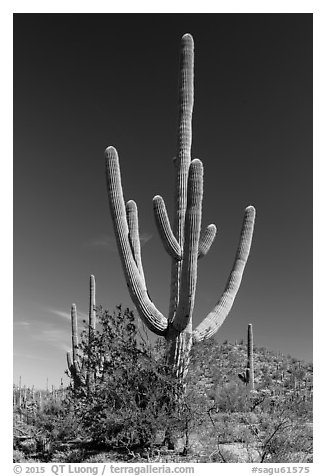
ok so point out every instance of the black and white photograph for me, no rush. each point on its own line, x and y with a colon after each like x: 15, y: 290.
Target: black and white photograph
x: 163, y: 238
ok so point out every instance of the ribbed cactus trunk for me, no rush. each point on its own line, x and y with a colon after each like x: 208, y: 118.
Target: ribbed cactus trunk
x: 182, y: 163
x: 250, y: 364
x: 248, y: 375
x: 74, y: 336
x: 34, y: 405
x: 40, y: 400
x: 62, y: 390
x: 20, y: 393
x: 73, y: 358
x: 187, y: 221
x: 184, y: 242
x: 91, y: 329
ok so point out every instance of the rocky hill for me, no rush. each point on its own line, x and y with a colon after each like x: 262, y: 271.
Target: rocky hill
x: 217, y: 364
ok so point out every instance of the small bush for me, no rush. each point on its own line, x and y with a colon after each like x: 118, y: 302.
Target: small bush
x: 132, y: 395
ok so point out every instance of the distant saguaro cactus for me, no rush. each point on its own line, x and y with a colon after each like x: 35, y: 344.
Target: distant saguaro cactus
x: 248, y: 375
x: 40, y: 395
x: 20, y: 393
x: 184, y: 243
x: 73, y: 358
x: 91, y: 328
x: 73, y: 361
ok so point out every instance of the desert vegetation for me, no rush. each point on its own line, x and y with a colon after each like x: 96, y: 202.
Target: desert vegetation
x: 181, y: 396
x: 136, y: 410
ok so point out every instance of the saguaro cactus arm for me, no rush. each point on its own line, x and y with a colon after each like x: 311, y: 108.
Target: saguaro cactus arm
x: 69, y: 362
x: 170, y: 242
x: 152, y: 317
x: 74, y: 369
x: 132, y: 219
x: 213, y: 321
x: 206, y: 240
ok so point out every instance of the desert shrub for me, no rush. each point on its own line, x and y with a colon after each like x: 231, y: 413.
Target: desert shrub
x: 19, y: 456
x: 103, y: 458
x: 132, y: 395
x: 56, y: 421
x: 126, y: 402
x: 273, y: 434
x: 76, y: 455
x: 232, y: 397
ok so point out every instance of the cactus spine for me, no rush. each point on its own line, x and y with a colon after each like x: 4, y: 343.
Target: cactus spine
x: 184, y: 242
x: 73, y: 358
x: 248, y: 375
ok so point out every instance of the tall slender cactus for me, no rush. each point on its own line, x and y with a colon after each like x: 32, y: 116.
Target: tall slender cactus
x: 184, y: 242
x: 41, y: 400
x: 20, y: 393
x: 91, y: 328
x: 248, y: 375
x: 73, y: 358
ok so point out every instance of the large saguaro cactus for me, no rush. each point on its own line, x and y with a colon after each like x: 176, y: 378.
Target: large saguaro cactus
x: 73, y: 358
x: 184, y: 242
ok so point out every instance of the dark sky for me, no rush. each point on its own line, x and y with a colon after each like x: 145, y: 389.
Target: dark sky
x: 83, y: 82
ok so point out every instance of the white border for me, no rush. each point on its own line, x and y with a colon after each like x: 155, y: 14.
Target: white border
x: 316, y: 7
